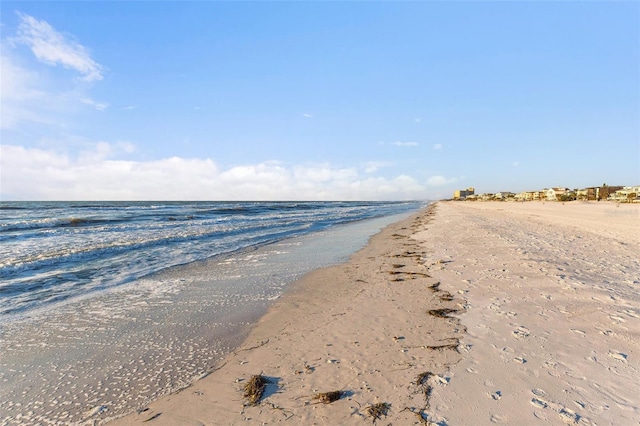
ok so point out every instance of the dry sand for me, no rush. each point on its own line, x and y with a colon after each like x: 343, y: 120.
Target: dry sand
x: 480, y: 313
x: 553, y: 328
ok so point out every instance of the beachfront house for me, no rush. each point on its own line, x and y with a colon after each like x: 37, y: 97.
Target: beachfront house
x: 603, y: 192
x: 554, y: 194
x: 628, y: 194
x: 587, y: 194
x: 504, y: 195
x: 461, y: 194
x: 531, y: 196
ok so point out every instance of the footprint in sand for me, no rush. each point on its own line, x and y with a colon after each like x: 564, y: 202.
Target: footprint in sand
x: 495, y: 307
x: 538, y: 392
x: 616, y: 319
x: 618, y: 355
x: 568, y: 415
x: 537, y: 400
x: 539, y: 403
x: 521, y: 332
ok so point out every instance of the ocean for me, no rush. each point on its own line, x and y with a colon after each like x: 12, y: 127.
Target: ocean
x: 105, y: 306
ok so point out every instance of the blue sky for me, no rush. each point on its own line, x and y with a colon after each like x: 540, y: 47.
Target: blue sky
x: 316, y: 100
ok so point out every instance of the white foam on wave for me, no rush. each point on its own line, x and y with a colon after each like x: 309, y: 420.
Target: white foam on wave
x: 114, y: 353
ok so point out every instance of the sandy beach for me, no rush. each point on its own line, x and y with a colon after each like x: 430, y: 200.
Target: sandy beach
x: 467, y: 313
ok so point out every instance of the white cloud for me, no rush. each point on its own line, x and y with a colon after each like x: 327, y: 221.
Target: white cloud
x: 437, y: 147
x: 20, y: 95
x: 16, y: 82
x: 440, y: 180
x: 96, y: 174
x: 28, y: 95
x: 374, y: 166
x: 307, y: 115
x: 97, y: 105
x: 417, y: 120
x: 516, y: 163
x: 54, y: 48
x: 127, y: 147
x: 129, y: 108
x: 405, y: 143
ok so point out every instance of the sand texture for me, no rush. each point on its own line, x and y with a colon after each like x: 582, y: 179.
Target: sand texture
x: 553, y: 328
x: 362, y: 328
x: 468, y: 313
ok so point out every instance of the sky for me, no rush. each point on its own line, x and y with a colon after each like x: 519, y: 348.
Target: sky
x: 335, y: 100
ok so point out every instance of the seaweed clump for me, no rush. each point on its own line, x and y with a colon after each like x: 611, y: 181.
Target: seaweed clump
x: 378, y: 410
x: 328, y: 397
x: 254, y: 389
x: 422, y: 383
x: 442, y: 313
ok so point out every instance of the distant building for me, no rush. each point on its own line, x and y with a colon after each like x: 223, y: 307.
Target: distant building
x: 554, y: 194
x: 628, y: 194
x: 530, y: 196
x: 461, y: 194
x: 504, y: 195
x: 586, y: 194
x: 603, y: 192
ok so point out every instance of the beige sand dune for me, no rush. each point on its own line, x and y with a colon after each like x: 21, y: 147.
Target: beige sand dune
x: 478, y: 314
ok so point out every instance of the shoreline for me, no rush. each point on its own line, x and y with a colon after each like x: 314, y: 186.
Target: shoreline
x: 160, y: 334
x: 500, y: 313
x: 348, y: 328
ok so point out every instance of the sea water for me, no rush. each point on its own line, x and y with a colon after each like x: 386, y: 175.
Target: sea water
x: 107, y: 306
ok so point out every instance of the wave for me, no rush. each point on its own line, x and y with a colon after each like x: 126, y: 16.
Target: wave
x: 78, y: 253
x: 88, y: 246
x: 48, y: 223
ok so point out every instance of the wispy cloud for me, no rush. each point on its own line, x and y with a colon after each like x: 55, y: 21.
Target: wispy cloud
x: 417, y: 120
x: 374, y: 166
x: 440, y: 180
x: 307, y: 115
x: 516, y: 163
x: 97, y: 105
x: 437, y: 147
x: 21, y: 97
x: 31, y: 96
x: 405, y: 143
x: 129, y: 108
x: 102, y: 172
x: 53, y: 48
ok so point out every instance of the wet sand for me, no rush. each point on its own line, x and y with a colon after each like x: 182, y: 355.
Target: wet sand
x: 467, y: 313
x: 362, y: 328
x: 108, y: 355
